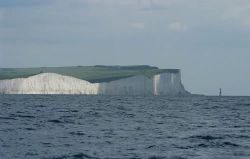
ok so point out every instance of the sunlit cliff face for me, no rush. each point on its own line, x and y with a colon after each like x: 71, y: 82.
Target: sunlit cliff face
x: 51, y: 83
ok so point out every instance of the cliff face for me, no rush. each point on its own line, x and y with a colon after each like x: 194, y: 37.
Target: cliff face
x: 168, y: 84
x: 47, y: 83
x: 51, y: 83
x: 162, y: 84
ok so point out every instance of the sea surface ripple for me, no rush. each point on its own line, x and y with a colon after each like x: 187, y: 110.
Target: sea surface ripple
x: 124, y: 127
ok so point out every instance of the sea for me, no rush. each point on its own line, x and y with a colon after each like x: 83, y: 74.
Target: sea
x: 124, y: 127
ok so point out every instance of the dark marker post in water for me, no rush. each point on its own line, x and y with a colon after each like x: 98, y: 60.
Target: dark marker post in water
x: 220, y: 92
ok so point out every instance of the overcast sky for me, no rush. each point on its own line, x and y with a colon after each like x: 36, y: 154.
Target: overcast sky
x: 208, y: 39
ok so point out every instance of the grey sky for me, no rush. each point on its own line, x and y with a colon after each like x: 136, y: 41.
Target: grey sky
x: 208, y: 39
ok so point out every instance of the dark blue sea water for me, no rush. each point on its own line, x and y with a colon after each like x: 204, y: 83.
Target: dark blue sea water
x: 114, y: 127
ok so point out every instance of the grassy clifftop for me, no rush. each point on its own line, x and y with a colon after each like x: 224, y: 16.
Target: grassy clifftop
x: 97, y: 73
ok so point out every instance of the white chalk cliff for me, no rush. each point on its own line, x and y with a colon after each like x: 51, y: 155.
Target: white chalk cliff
x: 51, y: 83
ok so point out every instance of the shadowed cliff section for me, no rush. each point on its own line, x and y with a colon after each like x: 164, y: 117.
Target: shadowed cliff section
x: 94, y: 74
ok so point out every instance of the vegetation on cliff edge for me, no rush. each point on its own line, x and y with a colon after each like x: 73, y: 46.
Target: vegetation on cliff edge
x: 98, y: 73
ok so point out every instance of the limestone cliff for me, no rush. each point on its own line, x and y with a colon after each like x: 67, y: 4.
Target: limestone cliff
x: 47, y: 83
x: 51, y: 83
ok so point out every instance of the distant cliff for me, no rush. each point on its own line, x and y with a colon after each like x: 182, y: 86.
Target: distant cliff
x: 161, y: 84
x: 93, y: 74
x: 168, y: 83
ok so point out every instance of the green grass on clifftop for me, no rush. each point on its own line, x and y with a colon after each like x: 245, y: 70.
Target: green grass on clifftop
x: 93, y: 74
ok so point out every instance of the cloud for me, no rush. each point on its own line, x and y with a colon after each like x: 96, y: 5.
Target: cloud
x: 1, y: 15
x: 246, y: 23
x: 177, y: 26
x: 137, y: 25
x: 137, y: 4
x: 236, y: 11
x: 22, y: 3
